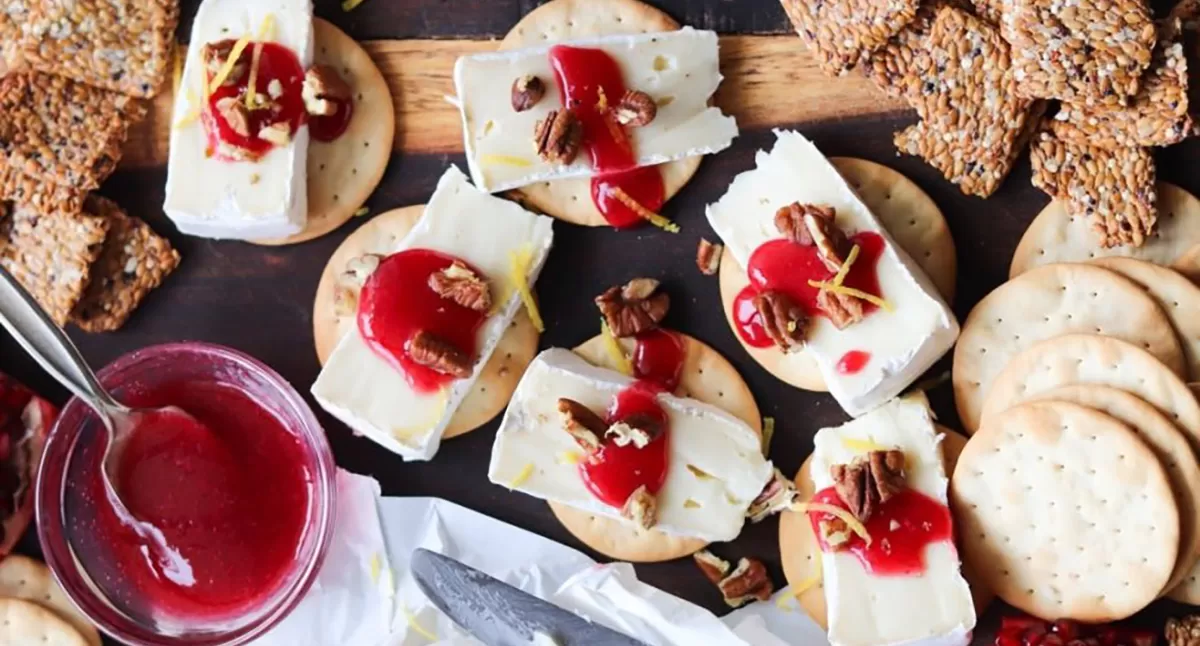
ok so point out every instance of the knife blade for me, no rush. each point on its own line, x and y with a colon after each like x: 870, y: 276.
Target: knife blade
x: 498, y: 614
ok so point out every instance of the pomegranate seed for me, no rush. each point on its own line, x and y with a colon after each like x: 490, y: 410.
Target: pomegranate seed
x: 1066, y: 629
x: 1033, y: 635
x: 1007, y: 639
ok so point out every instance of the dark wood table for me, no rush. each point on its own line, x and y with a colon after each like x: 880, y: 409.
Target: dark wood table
x: 259, y: 299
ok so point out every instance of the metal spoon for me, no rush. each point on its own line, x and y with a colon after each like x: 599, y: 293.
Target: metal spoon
x: 44, y: 341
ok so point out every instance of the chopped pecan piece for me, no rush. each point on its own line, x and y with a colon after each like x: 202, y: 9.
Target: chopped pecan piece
x: 526, y: 92
x: 834, y: 532
x: 843, y: 310
x: 869, y: 481
x: 429, y: 350
x: 582, y: 423
x: 641, y: 507
x: 323, y: 89
x: 559, y: 136
x: 778, y: 495
x: 808, y: 224
x: 279, y: 133
x: 714, y: 567
x: 748, y: 581
x: 235, y: 114
x: 636, y: 109
x: 636, y: 307
x: 782, y: 319
x: 215, y: 55
x: 708, y: 257
x: 459, y: 283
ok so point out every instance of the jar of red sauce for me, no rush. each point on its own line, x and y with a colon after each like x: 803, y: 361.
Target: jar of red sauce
x: 252, y: 510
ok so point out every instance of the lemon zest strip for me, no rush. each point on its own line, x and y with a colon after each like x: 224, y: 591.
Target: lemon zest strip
x: 845, y: 269
x: 643, y: 212
x: 613, y: 347
x: 505, y: 160
x: 227, y: 68
x: 850, y: 291
x: 522, y: 476
x: 837, y: 512
x: 518, y: 272
x: 863, y: 446
x: 350, y: 5
x: 252, y: 84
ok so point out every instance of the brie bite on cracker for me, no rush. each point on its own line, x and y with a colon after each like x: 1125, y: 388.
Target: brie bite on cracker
x: 430, y: 314
x: 828, y: 279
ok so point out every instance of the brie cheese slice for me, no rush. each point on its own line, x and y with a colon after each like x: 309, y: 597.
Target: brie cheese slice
x: 679, y: 69
x: 902, y: 343
x: 371, y: 396
x: 933, y: 608
x: 715, y: 470
x: 243, y: 200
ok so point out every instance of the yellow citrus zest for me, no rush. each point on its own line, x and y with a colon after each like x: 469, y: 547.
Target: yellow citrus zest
x: 643, y: 212
x: 613, y: 347
x: 850, y: 291
x: 505, y: 160
x: 836, y: 512
x: 349, y: 5
x: 522, y: 476
x: 227, y: 68
x: 845, y: 270
x: 518, y: 273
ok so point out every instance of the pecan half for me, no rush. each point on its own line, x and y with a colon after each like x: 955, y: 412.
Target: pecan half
x: 429, y: 350
x: 748, y: 581
x: 323, y: 89
x: 526, y: 92
x: 834, y: 532
x: 279, y: 133
x: 636, y: 109
x: 869, y: 481
x: 782, y: 319
x: 636, y: 307
x: 215, y: 55
x: 582, y: 424
x: 714, y: 567
x: 642, y: 508
x: 350, y: 282
x: 843, y: 310
x: 459, y: 283
x: 708, y: 257
x: 559, y: 136
x: 235, y: 114
x: 808, y: 224
x: 779, y: 495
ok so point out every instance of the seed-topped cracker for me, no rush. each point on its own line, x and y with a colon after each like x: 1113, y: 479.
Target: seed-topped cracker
x: 38, y: 195
x: 120, y: 45
x: 56, y: 130
x: 843, y: 32
x: 1113, y: 188
x: 134, y: 261
x: 990, y: 10
x: 972, y: 123
x: 51, y: 255
x: 1083, y: 51
x: 1157, y: 116
x: 904, y: 60
x: 1184, y: 20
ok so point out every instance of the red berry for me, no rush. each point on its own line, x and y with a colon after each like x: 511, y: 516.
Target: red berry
x: 1066, y: 629
x: 1007, y: 639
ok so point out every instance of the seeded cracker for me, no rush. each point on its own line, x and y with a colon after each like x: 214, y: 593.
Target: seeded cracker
x: 58, y: 131
x: 842, y: 32
x: 134, y: 261
x: 51, y: 256
x: 903, y: 61
x: 1112, y: 188
x: 972, y: 123
x: 120, y: 45
x: 1157, y: 116
x: 990, y: 10
x: 1083, y: 51
x: 1185, y: 19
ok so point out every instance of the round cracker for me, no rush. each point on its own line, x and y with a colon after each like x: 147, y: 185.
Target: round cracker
x: 798, y: 546
x: 1046, y: 302
x: 707, y: 377
x: 344, y: 172
x: 1171, y: 448
x: 498, y: 379
x: 1189, y: 264
x: 1065, y: 513
x: 25, y: 622
x: 24, y: 578
x: 1054, y: 236
x: 1100, y: 360
x: 912, y: 219
x: 571, y: 199
x: 1178, y: 297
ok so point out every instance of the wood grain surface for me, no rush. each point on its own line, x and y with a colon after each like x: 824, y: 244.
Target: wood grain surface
x: 259, y: 299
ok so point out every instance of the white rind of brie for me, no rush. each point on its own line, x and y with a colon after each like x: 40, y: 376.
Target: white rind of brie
x: 903, y: 343
x: 242, y: 200
x: 930, y: 609
x: 715, y: 470
x: 679, y: 69
x: 371, y: 396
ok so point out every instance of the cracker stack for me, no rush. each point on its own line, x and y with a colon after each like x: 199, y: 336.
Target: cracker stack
x: 1116, y: 84
x: 1078, y: 493
x: 83, y: 69
x: 35, y: 610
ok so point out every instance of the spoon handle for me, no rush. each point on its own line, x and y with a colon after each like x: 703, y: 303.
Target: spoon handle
x: 47, y: 343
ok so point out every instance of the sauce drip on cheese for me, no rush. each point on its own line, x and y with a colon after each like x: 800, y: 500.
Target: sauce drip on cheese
x: 614, y: 472
x: 785, y: 266
x: 853, y: 362
x: 918, y: 521
x: 582, y: 74
x: 396, y: 303
x: 276, y: 63
x: 658, y: 358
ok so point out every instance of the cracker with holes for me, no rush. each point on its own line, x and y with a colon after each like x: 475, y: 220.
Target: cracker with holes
x: 343, y: 170
x: 800, y: 550
x: 1048, y: 302
x: 426, y: 316
x: 25, y: 622
x: 1066, y: 513
x: 911, y: 217
x: 841, y: 33
x: 1059, y: 234
x: 1169, y: 445
x: 654, y: 111
x: 24, y: 578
